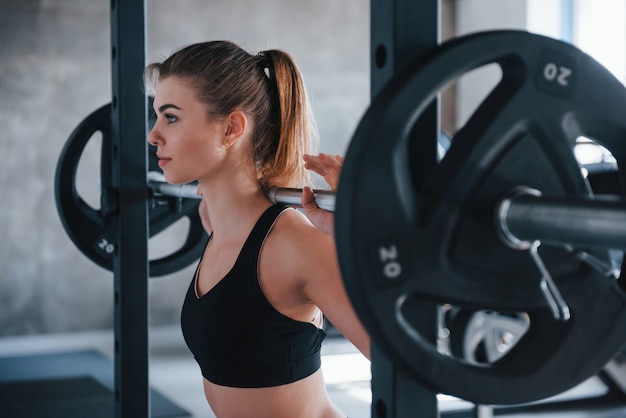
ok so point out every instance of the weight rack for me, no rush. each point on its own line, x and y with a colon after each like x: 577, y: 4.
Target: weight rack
x: 127, y: 196
x: 401, y: 30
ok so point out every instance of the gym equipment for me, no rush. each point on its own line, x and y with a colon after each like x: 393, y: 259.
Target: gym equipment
x: 66, y: 384
x: 92, y: 229
x: 526, y: 216
x: 410, y: 238
x: 325, y: 199
x: 482, y: 337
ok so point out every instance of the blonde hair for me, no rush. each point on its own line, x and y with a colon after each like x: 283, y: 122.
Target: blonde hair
x: 268, y: 87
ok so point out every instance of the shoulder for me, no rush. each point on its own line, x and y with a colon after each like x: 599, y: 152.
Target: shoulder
x: 294, y: 230
x: 303, y: 249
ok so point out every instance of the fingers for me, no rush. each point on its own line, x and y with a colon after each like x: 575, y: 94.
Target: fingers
x: 322, y: 219
x: 308, y: 200
x: 328, y: 166
x: 322, y: 162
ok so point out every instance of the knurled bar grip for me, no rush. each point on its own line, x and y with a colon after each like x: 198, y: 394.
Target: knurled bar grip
x: 325, y: 199
x: 526, y: 216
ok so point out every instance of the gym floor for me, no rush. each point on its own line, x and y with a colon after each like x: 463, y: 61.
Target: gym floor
x: 176, y: 383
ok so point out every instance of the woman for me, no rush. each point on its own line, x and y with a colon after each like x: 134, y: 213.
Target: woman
x: 239, y: 124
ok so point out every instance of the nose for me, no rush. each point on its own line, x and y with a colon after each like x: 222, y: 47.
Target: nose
x: 154, y: 137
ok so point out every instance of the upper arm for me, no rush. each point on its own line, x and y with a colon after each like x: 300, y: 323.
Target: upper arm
x: 323, y: 286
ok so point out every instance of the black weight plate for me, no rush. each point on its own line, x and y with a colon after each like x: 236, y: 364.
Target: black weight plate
x: 88, y: 228
x: 93, y: 230
x: 407, y: 235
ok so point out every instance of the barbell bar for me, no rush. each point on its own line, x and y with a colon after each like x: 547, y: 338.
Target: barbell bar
x: 521, y: 218
x: 325, y: 199
x: 526, y: 216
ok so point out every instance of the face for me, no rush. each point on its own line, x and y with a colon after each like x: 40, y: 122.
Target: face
x: 189, y: 143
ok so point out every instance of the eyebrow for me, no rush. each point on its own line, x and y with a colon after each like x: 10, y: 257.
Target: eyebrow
x: 167, y: 106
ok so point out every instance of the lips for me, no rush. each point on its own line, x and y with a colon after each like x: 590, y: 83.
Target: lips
x: 163, y: 160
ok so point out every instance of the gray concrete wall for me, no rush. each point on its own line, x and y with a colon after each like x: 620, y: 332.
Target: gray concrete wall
x: 55, y: 70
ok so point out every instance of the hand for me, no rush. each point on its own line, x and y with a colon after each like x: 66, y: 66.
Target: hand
x: 204, y: 216
x: 329, y: 167
x: 322, y: 219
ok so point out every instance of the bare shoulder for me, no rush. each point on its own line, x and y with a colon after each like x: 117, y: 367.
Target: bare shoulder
x: 294, y: 229
x: 299, y: 244
x: 294, y: 255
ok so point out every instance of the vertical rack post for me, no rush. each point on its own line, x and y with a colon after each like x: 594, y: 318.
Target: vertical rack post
x: 401, y: 32
x: 129, y: 162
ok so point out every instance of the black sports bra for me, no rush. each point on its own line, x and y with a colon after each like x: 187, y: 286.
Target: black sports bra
x: 236, y: 335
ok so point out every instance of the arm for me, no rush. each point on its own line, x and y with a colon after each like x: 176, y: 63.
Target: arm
x: 324, y: 287
x: 302, y: 263
x: 305, y: 277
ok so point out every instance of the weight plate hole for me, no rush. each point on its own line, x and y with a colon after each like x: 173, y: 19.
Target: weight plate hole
x: 479, y: 337
x: 88, y: 172
x: 469, y: 90
x: 169, y: 240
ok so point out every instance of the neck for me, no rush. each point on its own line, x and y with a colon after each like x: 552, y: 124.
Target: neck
x: 233, y: 206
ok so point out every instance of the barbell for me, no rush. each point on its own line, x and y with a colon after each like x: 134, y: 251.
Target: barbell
x: 324, y: 199
x: 506, y: 222
x: 409, y: 239
x: 521, y: 217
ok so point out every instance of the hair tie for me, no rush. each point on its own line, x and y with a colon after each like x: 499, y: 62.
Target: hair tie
x: 265, y: 64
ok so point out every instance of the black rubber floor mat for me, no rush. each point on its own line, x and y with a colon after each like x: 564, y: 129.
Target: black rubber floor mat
x: 51, y: 398
x: 71, y: 384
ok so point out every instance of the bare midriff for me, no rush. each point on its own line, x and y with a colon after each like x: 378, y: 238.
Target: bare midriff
x: 306, y: 398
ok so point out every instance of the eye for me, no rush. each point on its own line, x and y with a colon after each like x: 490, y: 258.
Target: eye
x: 170, y: 118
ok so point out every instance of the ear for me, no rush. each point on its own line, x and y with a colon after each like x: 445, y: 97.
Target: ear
x: 236, y: 126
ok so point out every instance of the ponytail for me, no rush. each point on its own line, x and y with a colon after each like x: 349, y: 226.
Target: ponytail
x: 297, y: 134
